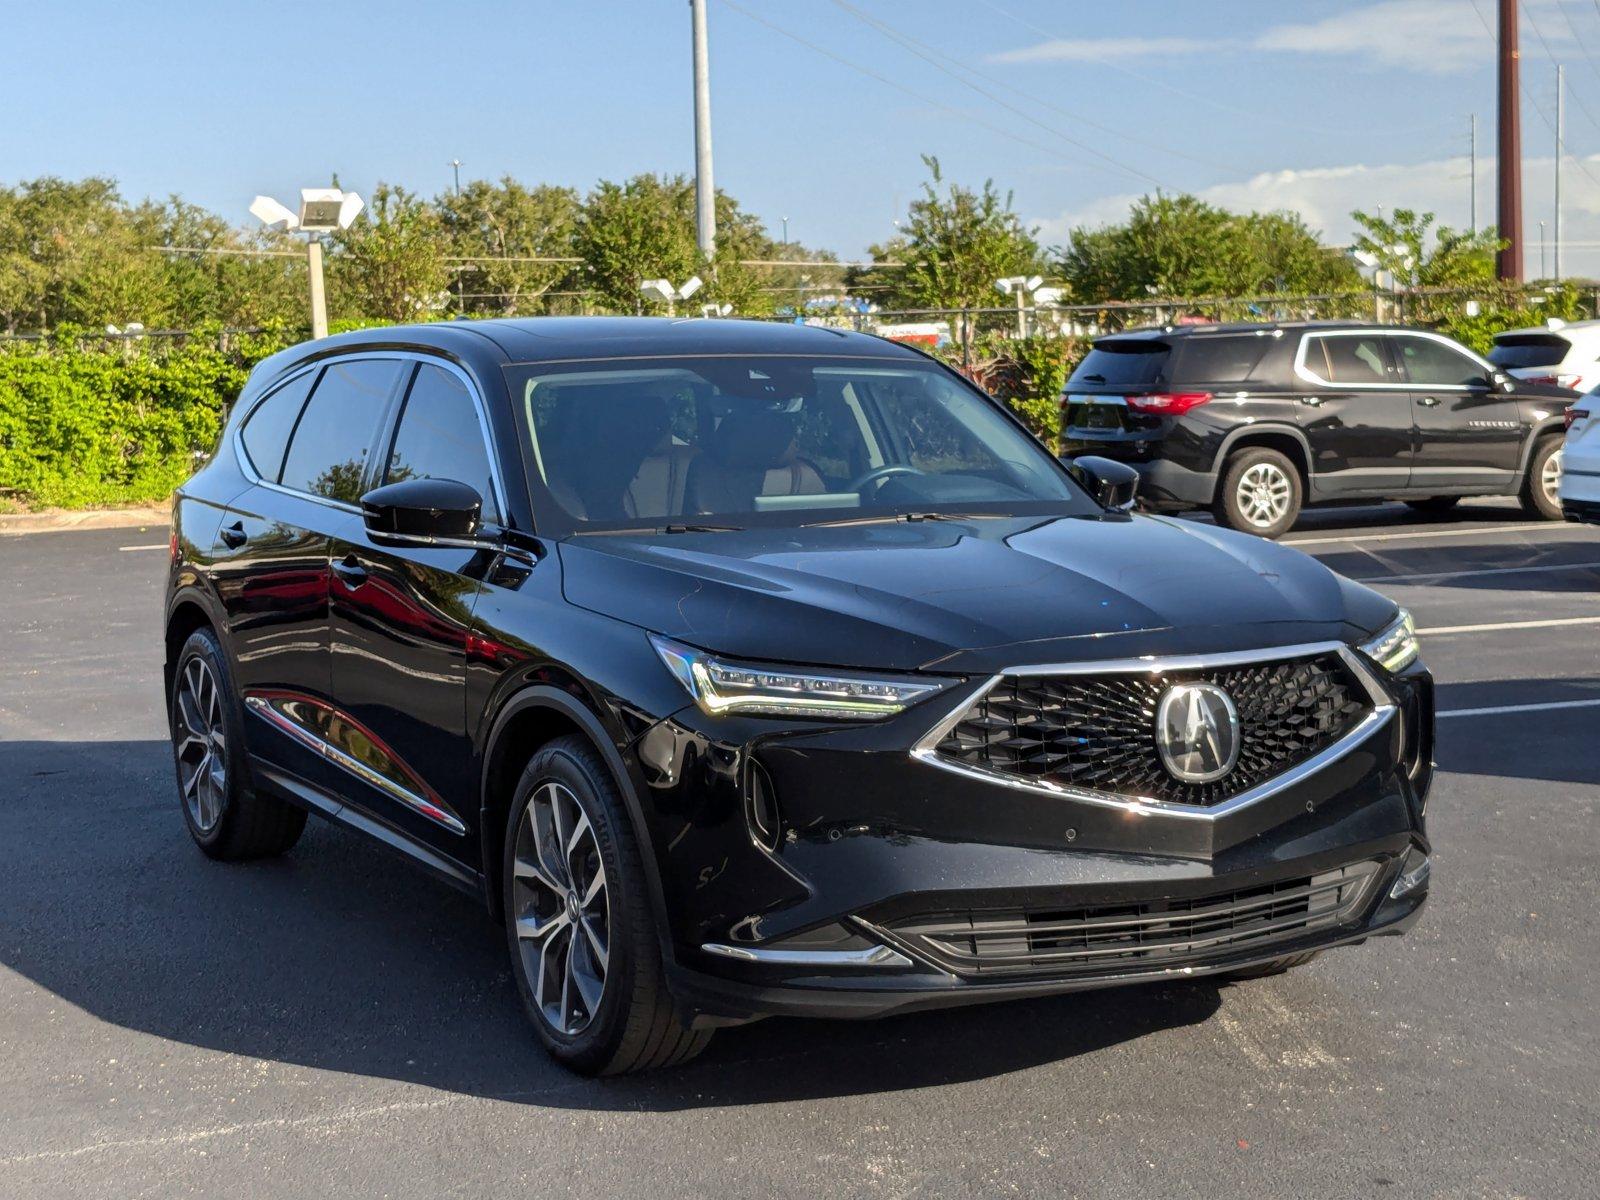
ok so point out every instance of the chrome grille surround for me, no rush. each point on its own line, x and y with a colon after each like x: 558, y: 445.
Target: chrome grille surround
x: 1380, y: 711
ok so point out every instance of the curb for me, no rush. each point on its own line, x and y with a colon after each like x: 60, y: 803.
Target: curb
x: 55, y: 522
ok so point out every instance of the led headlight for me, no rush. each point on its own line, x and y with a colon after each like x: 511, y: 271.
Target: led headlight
x: 1396, y: 647
x: 722, y: 686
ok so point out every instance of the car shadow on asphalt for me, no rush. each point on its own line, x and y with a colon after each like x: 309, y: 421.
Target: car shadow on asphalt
x: 340, y: 957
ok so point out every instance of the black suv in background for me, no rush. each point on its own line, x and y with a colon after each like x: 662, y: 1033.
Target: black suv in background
x: 1254, y: 421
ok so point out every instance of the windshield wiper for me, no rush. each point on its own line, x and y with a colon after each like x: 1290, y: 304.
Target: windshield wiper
x: 904, y: 518
x: 698, y: 528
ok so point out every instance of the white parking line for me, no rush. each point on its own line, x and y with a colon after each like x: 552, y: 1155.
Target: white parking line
x: 154, y: 546
x: 1525, y: 527
x: 1539, y: 570
x: 1553, y: 622
x: 1519, y: 708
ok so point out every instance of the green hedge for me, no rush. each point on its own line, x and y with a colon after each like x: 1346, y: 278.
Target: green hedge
x: 90, y: 422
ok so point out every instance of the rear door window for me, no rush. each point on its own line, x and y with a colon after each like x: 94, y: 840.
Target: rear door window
x: 1520, y: 351
x: 328, y: 453
x: 266, y: 431
x: 1354, y: 360
x: 1125, y: 362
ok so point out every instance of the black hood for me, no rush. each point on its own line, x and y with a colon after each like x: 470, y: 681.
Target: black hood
x: 969, y: 596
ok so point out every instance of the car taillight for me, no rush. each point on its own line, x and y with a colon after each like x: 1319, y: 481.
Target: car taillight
x: 1574, y: 415
x: 1168, y: 404
x: 1566, y: 381
x: 172, y: 547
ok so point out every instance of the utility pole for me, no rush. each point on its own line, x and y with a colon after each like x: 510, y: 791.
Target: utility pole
x: 1472, y: 168
x: 455, y: 165
x: 1508, y: 150
x: 1561, y: 140
x: 705, y: 192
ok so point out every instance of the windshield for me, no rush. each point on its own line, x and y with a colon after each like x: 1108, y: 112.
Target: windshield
x: 755, y: 440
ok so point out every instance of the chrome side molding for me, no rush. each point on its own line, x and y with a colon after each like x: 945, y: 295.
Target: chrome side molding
x: 871, y: 956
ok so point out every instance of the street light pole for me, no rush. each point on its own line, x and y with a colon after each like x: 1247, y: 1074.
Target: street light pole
x: 705, y: 192
x: 1508, y: 150
x: 319, y: 297
x: 1561, y: 139
x: 455, y: 165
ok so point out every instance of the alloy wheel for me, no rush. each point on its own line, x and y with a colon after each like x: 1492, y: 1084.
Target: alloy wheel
x: 1263, y: 495
x: 561, y: 908
x: 202, y: 744
x: 1550, y: 477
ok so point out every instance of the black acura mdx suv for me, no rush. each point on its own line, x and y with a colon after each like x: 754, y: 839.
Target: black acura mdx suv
x: 745, y: 669
x: 1254, y: 421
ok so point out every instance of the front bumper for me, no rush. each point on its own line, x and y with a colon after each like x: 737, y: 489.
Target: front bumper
x: 872, y: 841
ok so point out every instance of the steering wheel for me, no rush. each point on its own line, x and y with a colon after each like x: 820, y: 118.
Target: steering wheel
x: 877, y: 475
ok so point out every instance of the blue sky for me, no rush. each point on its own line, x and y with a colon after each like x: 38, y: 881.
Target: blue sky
x: 821, y: 107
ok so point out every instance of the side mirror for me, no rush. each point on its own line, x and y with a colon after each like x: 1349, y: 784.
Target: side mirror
x: 423, y: 512
x: 1501, y: 382
x: 1112, y: 484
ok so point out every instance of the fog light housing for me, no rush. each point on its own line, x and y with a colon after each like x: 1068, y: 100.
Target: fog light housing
x: 1413, y: 877
x: 761, y: 806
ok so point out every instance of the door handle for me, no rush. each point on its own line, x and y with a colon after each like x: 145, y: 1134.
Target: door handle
x: 234, y: 536
x: 350, y: 572
x: 1429, y: 401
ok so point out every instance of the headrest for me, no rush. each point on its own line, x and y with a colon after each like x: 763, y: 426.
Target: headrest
x: 753, y: 438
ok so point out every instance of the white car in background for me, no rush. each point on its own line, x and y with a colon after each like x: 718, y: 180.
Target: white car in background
x: 1565, y: 353
x: 1580, y: 470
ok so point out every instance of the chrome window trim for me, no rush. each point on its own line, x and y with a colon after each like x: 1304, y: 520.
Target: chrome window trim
x: 1383, y: 711
x: 354, y: 766
x: 872, y: 956
x: 1309, y: 376
x: 247, y: 468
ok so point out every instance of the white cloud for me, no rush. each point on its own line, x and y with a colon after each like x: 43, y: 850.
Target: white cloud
x: 1433, y: 36
x: 1437, y: 36
x: 1325, y: 196
x: 1104, y: 49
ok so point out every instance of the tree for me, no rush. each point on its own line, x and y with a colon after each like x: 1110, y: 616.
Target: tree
x: 645, y: 229
x: 510, y: 222
x: 1452, y: 258
x: 954, y: 244
x: 1183, y: 246
x: 390, y: 264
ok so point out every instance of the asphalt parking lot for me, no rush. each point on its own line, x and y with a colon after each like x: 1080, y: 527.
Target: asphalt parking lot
x: 333, y: 1023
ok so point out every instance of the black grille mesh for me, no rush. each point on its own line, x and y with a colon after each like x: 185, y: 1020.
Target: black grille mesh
x: 1105, y: 939
x: 1098, y: 731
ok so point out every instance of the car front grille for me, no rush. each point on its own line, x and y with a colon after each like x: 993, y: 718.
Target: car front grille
x: 1097, y: 732
x: 1152, y: 935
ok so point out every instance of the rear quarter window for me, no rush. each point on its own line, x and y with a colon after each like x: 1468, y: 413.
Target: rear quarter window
x: 1220, y: 359
x: 1134, y: 362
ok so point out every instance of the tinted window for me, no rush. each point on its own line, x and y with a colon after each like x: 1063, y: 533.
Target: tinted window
x: 1521, y: 350
x: 328, y: 455
x: 1433, y: 364
x: 1354, y: 360
x: 439, y: 437
x: 266, y: 431
x: 1130, y: 362
x: 1221, y: 359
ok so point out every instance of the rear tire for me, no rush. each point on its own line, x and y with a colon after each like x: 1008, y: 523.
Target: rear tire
x: 1434, y: 505
x: 225, y: 816
x: 1541, y: 486
x: 1276, y: 967
x: 1260, y: 493
x: 579, y: 922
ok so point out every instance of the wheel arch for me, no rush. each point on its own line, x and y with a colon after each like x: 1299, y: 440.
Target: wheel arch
x: 529, y: 720
x: 1285, y: 439
x: 1550, y: 427
x: 187, y: 611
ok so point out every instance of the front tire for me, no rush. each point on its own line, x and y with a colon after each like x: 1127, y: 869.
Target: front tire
x: 226, y: 818
x: 579, y: 923
x: 1260, y: 493
x: 1541, y: 486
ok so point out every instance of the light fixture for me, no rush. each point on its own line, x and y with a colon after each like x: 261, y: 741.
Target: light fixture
x: 322, y: 210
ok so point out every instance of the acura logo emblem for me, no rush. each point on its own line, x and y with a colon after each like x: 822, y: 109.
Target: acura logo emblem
x: 1197, y: 732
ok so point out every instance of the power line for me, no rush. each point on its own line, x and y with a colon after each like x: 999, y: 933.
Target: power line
x: 1550, y: 54
x: 931, y: 56
x: 944, y: 108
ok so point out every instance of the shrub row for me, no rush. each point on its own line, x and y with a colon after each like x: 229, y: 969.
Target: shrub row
x: 90, y: 423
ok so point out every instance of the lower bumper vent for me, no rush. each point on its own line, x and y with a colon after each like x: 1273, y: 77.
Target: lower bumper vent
x: 1152, y: 935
